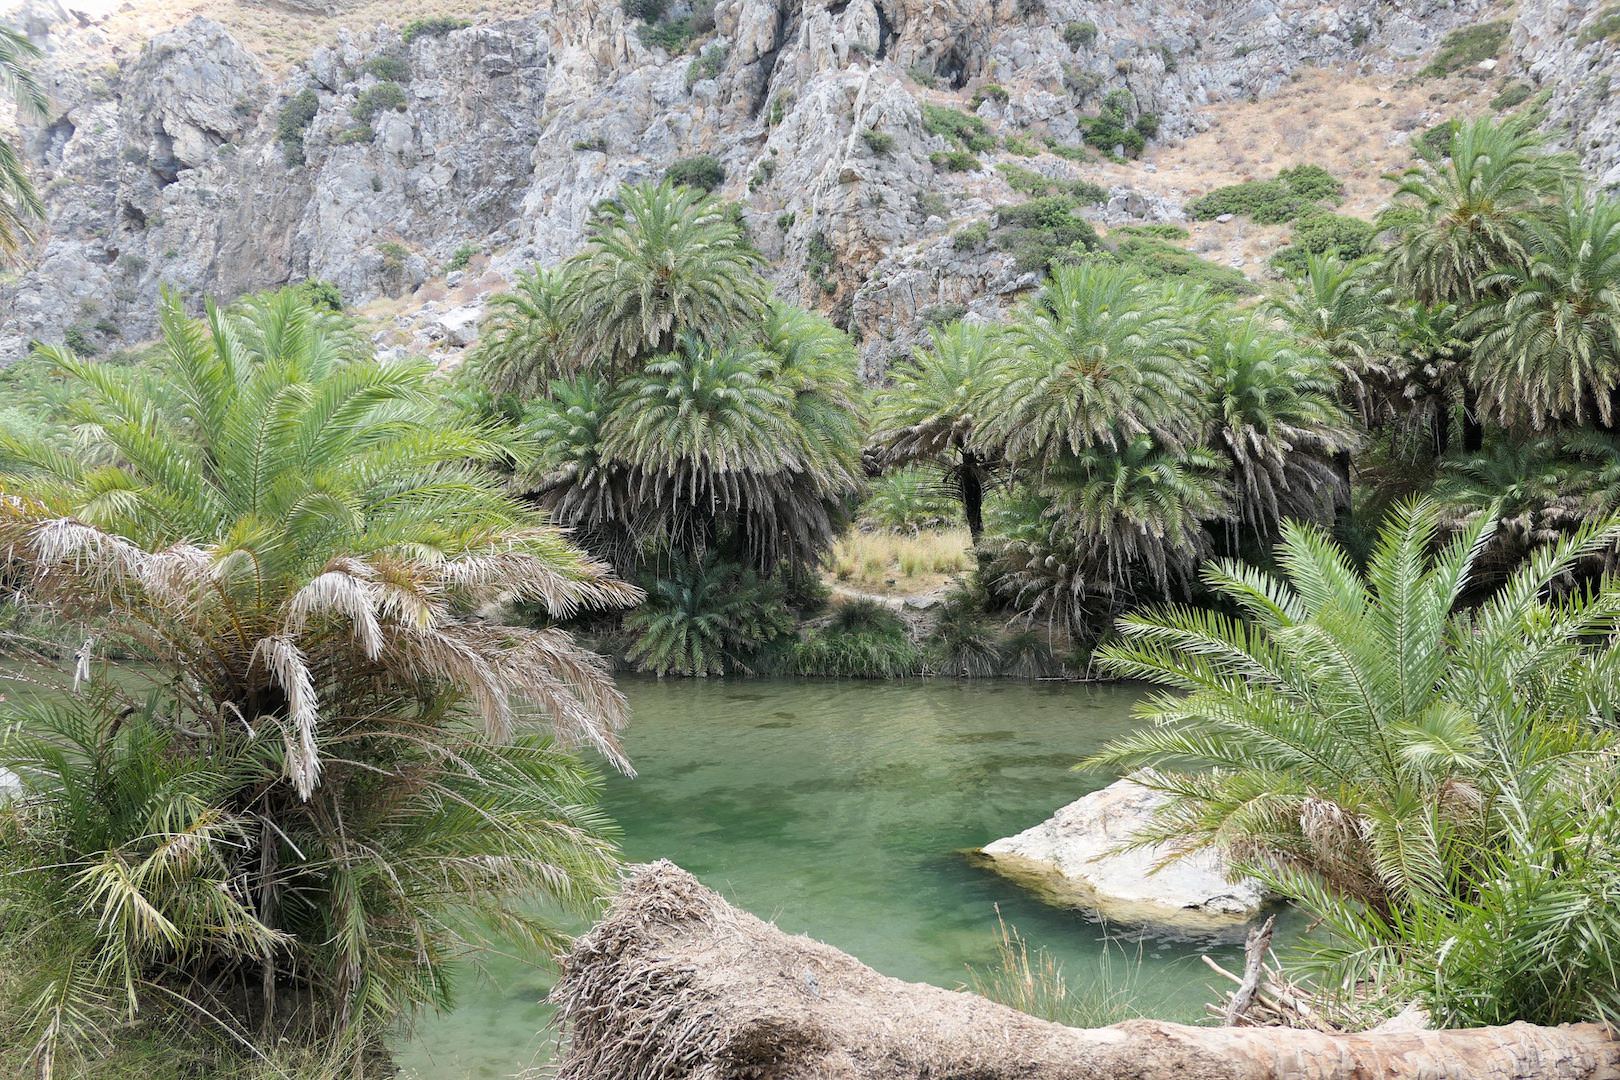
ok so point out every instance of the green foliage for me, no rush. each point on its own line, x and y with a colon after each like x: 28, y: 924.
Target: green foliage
x: 1606, y: 27
x: 990, y: 92
x: 910, y: 498
x: 706, y: 65
x: 702, y: 173
x: 1079, y: 34
x: 1044, y: 233
x: 1269, y: 202
x: 353, y: 136
x: 1068, y: 152
x: 1467, y: 46
x: 597, y: 143
x: 19, y: 202
x: 1034, y: 983
x: 658, y: 260
x: 1513, y: 95
x: 293, y: 121
x: 434, y: 26
x: 971, y: 237
x: 1435, y: 142
x: 320, y: 295
x: 1423, y: 779
x: 674, y: 36
x: 380, y: 98
x: 1029, y: 182
x: 290, y: 535
x: 649, y: 11
x: 879, y: 142
x: 79, y: 340
x: 706, y: 617
x: 962, y: 644
x: 954, y: 160
x: 388, y: 68
x: 1319, y: 232
x: 1020, y: 144
x: 923, y: 76
x: 968, y: 132
x: 462, y: 256
x: 1156, y: 258
x: 862, y: 640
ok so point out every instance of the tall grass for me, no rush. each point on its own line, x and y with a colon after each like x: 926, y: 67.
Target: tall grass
x: 870, y: 560
x: 1031, y: 980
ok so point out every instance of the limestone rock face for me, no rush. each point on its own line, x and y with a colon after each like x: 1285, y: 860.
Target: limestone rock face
x: 173, y: 167
x: 1072, y: 858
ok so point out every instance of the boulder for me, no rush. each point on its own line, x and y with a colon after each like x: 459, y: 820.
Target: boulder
x: 1075, y: 858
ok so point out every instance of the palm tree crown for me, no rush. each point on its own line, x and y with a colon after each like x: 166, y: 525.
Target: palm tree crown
x: 661, y: 261
x: 1547, y: 337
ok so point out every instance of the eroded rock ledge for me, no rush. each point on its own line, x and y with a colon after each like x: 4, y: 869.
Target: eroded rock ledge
x: 674, y: 982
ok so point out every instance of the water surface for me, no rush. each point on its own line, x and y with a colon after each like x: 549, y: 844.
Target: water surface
x: 840, y: 810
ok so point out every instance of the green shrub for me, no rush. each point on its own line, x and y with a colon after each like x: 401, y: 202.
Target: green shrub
x: 1467, y: 46
x: 1079, y: 34
x: 1512, y: 95
x: 954, y: 160
x: 922, y: 76
x: 911, y: 499
x: 1312, y: 182
x: 706, y: 65
x: 1323, y: 233
x: 1044, y: 231
x: 943, y: 314
x: 702, y: 172
x: 1435, y: 143
x: 359, y: 133
x: 964, y: 129
x: 933, y: 204
x: 674, y: 37
x: 707, y: 617
x: 1068, y: 151
x: 321, y: 294
x: 379, y: 98
x: 1147, y: 124
x: 462, y: 256
x: 1158, y: 231
x: 78, y: 339
x: 1605, y: 28
x: 649, y: 11
x: 1157, y: 258
x: 879, y: 142
x: 962, y: 643
x: 990, y: 92
x: 1108, y: 132
x: 863, y: 640
x: 388, y: 68
x: 436, y: 26
x: 597, y: 143
x: 820, y: 261
x: 971, y: 237
x: 292, y: 123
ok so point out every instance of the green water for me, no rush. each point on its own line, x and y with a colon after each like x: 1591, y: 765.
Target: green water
x: 839, y: 810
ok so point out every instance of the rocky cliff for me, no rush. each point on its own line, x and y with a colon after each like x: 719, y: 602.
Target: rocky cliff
x: 193, y: 165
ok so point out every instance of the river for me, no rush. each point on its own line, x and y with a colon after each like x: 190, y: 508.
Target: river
x: 840, y: 810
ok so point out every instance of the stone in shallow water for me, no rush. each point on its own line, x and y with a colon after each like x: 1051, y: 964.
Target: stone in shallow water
x: 1073, y: 858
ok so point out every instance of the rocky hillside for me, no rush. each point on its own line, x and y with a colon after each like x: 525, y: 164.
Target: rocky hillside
x: 419, y: 167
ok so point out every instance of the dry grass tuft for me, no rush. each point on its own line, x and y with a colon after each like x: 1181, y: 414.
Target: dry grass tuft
x: 901, y: 562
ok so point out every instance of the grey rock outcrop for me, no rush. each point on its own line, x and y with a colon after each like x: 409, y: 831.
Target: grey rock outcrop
x: 1078, y: 857
x: 183, y: 167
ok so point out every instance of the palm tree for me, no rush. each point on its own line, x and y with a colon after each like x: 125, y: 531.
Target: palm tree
x: 1105, y: 527
x: 1547, y: 335
x: 1473, y: 210
x: 1335, y: 309
x: 928, y: 410
x: 529, y: 337
x: 661, y: 261
x: 292, y: 537
x: 1371, y: 747
x: 1097, y: 358
x: 18, y: 199
x: 1275, y: 415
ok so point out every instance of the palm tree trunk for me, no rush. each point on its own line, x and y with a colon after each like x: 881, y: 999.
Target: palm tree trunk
x: 1473, y: 430
x: 972, y: 485
x: 674, y: 982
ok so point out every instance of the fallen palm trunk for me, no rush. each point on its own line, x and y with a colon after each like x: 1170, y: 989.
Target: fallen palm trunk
x: 676, y: 983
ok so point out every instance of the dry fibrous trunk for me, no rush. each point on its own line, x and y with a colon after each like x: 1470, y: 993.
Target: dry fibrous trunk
x: 676, y: 983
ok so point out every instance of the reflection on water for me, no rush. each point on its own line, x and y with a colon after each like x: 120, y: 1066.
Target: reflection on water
x: 840, y: 810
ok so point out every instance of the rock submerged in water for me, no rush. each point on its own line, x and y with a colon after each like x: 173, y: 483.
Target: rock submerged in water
x: 1073, y: 858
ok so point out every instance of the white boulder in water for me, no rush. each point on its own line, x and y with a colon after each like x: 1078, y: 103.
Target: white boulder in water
x: 1073, y: 858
